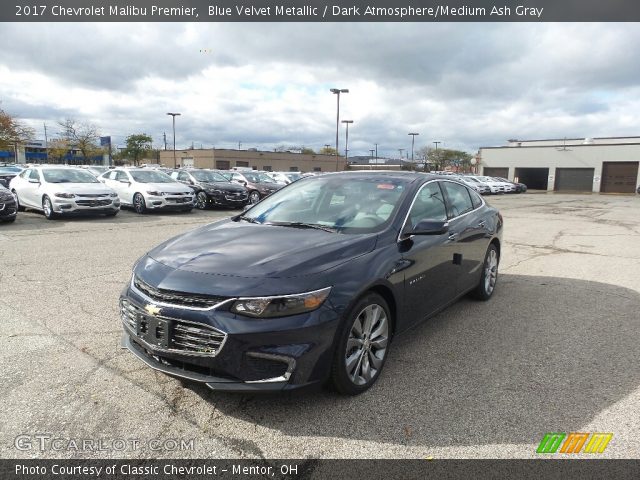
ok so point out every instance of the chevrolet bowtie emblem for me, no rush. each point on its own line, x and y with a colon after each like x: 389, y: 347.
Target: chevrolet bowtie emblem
x: 152, y: 309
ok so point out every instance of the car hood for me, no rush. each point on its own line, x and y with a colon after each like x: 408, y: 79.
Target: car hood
x: 226, y: 186
x: 240, y: 249
x: 80, y: 188
x: 166, y: 187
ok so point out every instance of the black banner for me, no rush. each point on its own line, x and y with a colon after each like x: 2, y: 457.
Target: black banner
x: 317, y: 469
x: 317, y: 11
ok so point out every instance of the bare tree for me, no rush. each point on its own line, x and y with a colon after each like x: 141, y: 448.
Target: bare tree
x: 82, y: 137
x: 12, y: 132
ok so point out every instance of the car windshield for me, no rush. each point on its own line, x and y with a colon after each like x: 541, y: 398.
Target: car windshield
x: 345, y: 203
x: 293, y: 176
x: 486, y: 179
x: 150, y: 176
x: 257, y: 177
x: 10, y: 169
x: 208, y: 176
x: 98, y: 170
x: 67, y: 175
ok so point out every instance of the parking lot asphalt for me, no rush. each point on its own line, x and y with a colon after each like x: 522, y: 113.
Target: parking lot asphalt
x: 556, y: 349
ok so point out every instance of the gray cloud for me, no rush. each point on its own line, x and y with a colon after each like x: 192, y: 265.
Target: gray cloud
x: 467, y: 85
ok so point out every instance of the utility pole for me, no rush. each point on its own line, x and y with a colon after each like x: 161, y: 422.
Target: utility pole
x: 401, y: 150
x: 437, y: 158
x: 46, y: 144
x: 164, y: 139
x: 376, y: 152
x: 413, y: 140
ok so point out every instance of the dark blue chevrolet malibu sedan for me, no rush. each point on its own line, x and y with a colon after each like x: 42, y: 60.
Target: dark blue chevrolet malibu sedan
x: 310, y: 285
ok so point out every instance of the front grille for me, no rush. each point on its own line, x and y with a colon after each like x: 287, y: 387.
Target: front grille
x: 170, y: 334
x: 180, y: 299
x: 93, y: 203
x: 179, y: 200
x: 92, y: 195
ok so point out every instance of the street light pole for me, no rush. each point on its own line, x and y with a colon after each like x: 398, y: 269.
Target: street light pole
x: 413, y: 140
x: 376, y: 152
x: 436, y: 144
x: 346, y: 141
x: 174, y: 115
x: 337, y: 92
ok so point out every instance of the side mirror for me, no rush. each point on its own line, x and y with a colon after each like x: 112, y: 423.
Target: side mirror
x: 429, y: 227
x: 34, y: 180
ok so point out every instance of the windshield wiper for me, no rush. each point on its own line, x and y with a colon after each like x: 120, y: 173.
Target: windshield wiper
x: 315, y: 226
x: 247, y: 219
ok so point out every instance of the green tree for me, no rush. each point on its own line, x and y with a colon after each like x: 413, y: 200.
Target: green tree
x: 82, y: 137
x: 12, y: 132
x: 442, y: 158
x: 138, y: 147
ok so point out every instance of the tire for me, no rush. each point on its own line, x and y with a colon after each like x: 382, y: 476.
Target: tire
x: 201, y: 200
x: 354, y: 369
x: 254, y: 197
x: 139, y: 205
x: 489, y: 277
x: 47, y: 208
x: 20, y: 207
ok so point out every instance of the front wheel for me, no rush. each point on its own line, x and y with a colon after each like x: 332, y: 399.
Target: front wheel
x: 47, y: 208
x: 363, y: 345
x: 139, y: 204
x: 201, y: 200
x: 254, y: 197
x: 489, y: 276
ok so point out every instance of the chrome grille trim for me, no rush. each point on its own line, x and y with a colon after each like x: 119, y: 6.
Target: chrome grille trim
x: 203, y: 340
x: 177, y: 299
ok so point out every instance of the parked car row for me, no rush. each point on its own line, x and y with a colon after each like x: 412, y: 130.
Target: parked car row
x: 486, y: 185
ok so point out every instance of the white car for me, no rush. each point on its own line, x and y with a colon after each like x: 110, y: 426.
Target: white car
x: 279, y: 177
x: 62, y: 191
x: 494, y: 185
x: 146, y: 189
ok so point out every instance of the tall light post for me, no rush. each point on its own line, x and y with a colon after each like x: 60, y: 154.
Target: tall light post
x: 376, y: 152
x: 413, y: 141
x: 436, y: 144
x: 174, y: 115
x: 346, y: 140
x: 401, y: 150
x: 337, y: 92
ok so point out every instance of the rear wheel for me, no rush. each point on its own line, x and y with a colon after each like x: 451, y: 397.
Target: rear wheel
x: 489, y: 277
x: 363, y: 345
x: 20, y: 207
x: 139, y: 205
x: 47, y: 208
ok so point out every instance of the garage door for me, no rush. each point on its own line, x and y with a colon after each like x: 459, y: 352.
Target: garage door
x: 495, y: 172
x: 533, y: 178
x: 619, y: 177
x: 574, y: 180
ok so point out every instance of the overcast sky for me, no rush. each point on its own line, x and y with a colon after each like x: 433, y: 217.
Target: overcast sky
x: 266, y: 85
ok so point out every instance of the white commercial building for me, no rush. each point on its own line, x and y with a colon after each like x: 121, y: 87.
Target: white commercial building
x: 607, y: 165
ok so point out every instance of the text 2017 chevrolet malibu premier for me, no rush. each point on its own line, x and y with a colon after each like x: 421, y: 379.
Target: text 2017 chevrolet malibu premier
x: 310, y: 285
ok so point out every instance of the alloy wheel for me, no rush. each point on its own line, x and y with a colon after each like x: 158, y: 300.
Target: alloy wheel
x: 201, y: 200
x: 491, y: 271
x: 254, y: 197
x: 367, y: 344
x: 138, y: 203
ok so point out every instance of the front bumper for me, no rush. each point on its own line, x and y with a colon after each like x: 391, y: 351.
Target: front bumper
x: 8, y: 209
x: 169, y: 202
x: 255, y: 354
x: 227, y: 199
x: 81, y: 204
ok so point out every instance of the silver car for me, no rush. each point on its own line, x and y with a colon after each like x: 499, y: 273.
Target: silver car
x: 60, y: 191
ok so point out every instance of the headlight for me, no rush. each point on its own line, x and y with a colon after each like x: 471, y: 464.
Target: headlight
x: 113, y: 195
x: 266, y: 307
x: 65, y: 195
x: 156, y: 194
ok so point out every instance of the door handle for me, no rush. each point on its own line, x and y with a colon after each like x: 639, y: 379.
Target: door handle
x: 453, y: 236
x: 482, y: 224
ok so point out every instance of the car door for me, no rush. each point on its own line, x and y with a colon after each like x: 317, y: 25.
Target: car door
x: 430, y: 275
x: 30, y: 194
x: 125, y: 187
x: 467, y: 233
